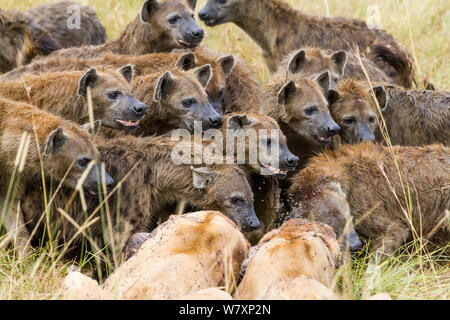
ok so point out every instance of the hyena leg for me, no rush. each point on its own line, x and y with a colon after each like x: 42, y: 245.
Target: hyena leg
x: 15, y: 226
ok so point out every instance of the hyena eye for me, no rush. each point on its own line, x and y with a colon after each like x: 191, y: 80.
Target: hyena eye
x: 236, y: 200
x: 372, y: 119
x: 349, y: 121
x: 173, y: 20
x: 83, y: 162
x: 310, y: 110
x: 221, y: 1
x: 188, y: 103
x: 113, y: 95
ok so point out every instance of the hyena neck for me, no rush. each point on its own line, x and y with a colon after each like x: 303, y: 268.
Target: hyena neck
x: 157, y: 121
x: 259, y: 19
x: 137, y: 39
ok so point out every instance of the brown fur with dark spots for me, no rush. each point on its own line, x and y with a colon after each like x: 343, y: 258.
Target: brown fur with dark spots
x: 58, y: 94
x: 317, y: 61
x: 357, y: 179
x: 139, y: 37
x: 42, y: 30
x: 278, y: 29
x: 417, y: 117
x: 155, y: 182
x: 59, y: 153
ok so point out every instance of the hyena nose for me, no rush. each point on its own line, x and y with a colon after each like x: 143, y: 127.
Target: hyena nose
x: 333, y: 130
x: 215, y: 121
x: 292, y: 161
x: 140, y: 109
x: 110, y: 183
x: 203, y: 15
x: 198, y: 34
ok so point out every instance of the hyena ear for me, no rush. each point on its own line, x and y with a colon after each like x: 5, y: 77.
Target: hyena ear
x: 192, y: 3
x: 87, y: 80
x: 127, y: 72
x: 238, y: 121
x: 227, y: 64
x: 204, y: 74
x: 55, y: 141
x: 148, y: 10
x: 340, y: 59
x: 202, y: 177
x: 163, y: 86
x: 381, y: 95
x: 186, y: 62
x: 332, y: 97
x: 297, y: 62
x: 324, y: 81
x: 87, y: 127
x: 286, y: 92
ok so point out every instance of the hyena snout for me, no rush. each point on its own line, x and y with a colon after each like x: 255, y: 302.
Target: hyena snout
x: 251, y: 221
x: 94, y: 180
x: 139, y: 108
x: 352, y: 241
x: 333, y: 129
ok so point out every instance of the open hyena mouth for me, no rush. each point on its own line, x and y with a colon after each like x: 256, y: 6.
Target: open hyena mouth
x: 186, y: 44
x: 269, y: 170
x: 128, y: 124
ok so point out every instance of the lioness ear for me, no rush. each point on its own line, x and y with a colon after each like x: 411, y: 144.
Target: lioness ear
x: 163, y: 86
x: 202, y: 177
x: 286, y: 92
x: 127, y: 72
x: 332, y: 97
x: 340, y: 59
x: 227, y: 64
x: 192, y: 3
x: 324, y: 81
x: 55, y: 141
x: 204, y: 74
x: 87, y: 127
x: 186, y: 62
x: 297, y: 62
x: 87, y: 80
x: 382, y: 96
x: 238, y: 121
x: 148, y: 10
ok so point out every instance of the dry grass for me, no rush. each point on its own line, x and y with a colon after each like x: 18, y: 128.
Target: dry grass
x: 421, y: 25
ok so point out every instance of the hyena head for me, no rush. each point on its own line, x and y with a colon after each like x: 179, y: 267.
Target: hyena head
x: 174, y: 21
x: 112, y: 100
x: 225, y: 188
x: 216, y: 12
x: 22, y: 40
x: 354, y: 109
x: 304, y: 109
x: 70, y: 147
x: 325, y: 203
x: 184, y: 99
x: 257, y: 130
x: 311, y: 62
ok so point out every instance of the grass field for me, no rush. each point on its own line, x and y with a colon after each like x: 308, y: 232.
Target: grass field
x: 423, y: 26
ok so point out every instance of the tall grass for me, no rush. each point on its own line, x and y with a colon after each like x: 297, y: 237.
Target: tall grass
x: 423, y: 26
